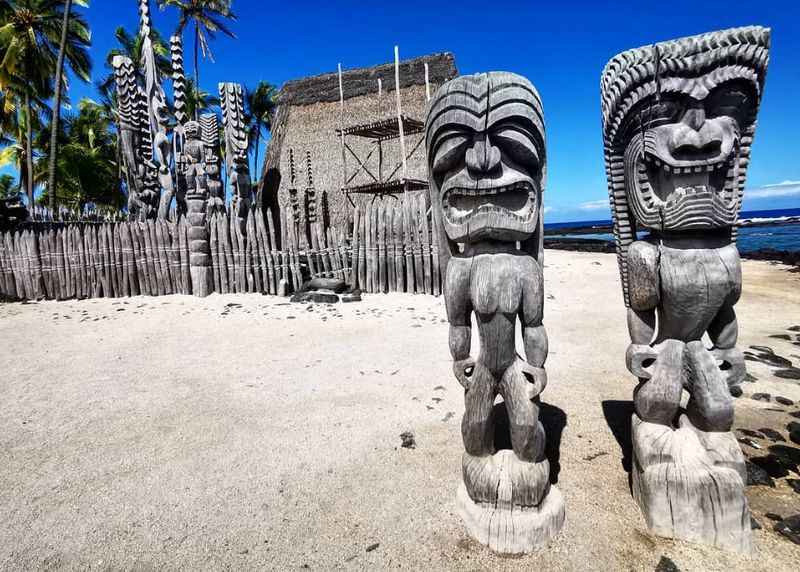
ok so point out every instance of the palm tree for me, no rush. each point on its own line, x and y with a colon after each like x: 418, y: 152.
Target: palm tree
x: 73, y: 30
x: 17, y: 131
x: 30, y: 35
x: 7, y: 184
x: 261, y: 104
x: 208, y: 17
x: 87, y: 164
x: 197, y: 100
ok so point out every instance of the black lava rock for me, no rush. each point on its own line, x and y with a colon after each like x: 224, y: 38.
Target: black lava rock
x: 795, y: 484
x: 783, y: 400
x: 761, y: 397
x: 789, y: 456
x: 754, y: 524
x: 772, y: 435
x: 666, y: 565
x: 771, y: 464
x: 408, y: 440
x: 333, y: 284
x: 750, y: 433
x: 316, y: 296
x: 354, y: 296
x: 788, y: 373
x: 756, y: 475
x: 790, y: 528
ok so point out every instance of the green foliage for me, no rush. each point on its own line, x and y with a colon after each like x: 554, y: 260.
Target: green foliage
x: 208, y: 17
x: 87, y: 167
x: 197, y: 100
x: 260, y: 106
x: 8, y: 187
x: 30, y: 34
x: 131, y: 46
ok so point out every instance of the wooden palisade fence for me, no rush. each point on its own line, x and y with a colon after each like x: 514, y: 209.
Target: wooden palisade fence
x: 389, y: 249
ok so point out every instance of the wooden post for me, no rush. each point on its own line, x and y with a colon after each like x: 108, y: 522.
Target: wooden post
x: 426, y: 245
x: 427, y: 84
x: 354, y: 281
x: 391, y: 282
x: 382, y: 247
x: 400, y: 113
x: 341, y: 127
x: 397, y: 234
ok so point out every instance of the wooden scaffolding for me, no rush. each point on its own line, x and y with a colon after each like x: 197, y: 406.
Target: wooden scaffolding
x: 379, y: 132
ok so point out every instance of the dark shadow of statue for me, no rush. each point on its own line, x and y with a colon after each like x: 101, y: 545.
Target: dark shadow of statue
x: 553, y: 420
x: 618, y: 417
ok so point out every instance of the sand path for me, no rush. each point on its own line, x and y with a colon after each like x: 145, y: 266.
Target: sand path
x: 241, y: 432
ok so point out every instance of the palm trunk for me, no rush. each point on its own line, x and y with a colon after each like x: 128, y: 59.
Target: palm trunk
x: 51, y: 174
x: 196, y: 70
x: 29, y: 148
x: 258, y: 142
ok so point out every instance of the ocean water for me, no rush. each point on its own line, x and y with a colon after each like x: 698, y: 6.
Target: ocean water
x: 762, y: 230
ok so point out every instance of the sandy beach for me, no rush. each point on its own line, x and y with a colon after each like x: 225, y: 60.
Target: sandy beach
x: 245, y: 432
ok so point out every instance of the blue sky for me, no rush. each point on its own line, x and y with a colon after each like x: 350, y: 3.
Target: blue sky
x: 561, y: 47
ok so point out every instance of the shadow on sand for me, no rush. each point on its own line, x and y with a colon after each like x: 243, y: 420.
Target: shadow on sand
x: 553, y: 420
x: 618, y: 417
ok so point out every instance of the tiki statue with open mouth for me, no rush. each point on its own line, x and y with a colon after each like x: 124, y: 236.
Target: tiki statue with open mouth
x: 486, y: 161
x: 678, y: 122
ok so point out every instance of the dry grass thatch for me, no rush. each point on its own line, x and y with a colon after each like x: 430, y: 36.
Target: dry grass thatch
x: 309, y: 114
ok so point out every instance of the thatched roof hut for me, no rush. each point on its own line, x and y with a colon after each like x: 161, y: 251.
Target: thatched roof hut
x: 309, y: 114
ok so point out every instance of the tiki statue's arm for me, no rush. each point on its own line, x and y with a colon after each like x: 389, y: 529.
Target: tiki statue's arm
x: 724, y: 332
x: 459, y: 314
x: 644, y: 291
x: 534, y: 335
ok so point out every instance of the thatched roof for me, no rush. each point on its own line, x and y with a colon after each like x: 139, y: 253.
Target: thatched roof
x: 363, y: 81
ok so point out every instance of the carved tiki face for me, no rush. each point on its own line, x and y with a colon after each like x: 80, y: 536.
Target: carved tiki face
x: 679, y: 119
x: 486, y: 157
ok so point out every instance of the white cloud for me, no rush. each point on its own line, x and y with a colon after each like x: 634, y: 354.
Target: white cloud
x: 594, y: 205
x: 548, y: 209
x: 783, y: 189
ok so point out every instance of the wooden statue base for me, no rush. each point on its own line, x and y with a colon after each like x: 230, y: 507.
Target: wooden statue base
x: 690, y: 484
x: 505, y: 527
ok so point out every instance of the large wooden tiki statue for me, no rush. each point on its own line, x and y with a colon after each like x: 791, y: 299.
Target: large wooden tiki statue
x: 678, y: 123
x: 486, y: 161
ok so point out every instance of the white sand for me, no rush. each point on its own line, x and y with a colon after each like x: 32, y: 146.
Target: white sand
x: 168, y: 433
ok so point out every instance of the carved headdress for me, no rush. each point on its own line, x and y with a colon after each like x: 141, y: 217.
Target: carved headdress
x: 485, y: 140
x: 678, y: 123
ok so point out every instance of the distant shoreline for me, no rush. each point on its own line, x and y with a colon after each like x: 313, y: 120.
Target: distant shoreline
x: 597, y: 245
x: 592, y: 227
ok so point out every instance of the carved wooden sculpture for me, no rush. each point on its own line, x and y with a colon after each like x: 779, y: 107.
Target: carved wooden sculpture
x: 309, y: 200
x: 678, y: 122
x: 209, y: 133
x: 179, y: 105
x: 193, y: 161
x: 236, y: 144
x: 135, y: 141
x: 486, y: 160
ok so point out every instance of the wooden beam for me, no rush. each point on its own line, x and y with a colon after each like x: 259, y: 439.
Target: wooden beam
x: 427, y: 84
x: 341, y: 126
x: 399, y: 109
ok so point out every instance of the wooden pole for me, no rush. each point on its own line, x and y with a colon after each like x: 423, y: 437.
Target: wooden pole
x: 400, y: 112
x: 427, y: 84
x: 341, y: 127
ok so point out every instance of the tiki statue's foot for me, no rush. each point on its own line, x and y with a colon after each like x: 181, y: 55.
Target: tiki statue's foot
x: 690, y: 484
x: 508, y: 504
